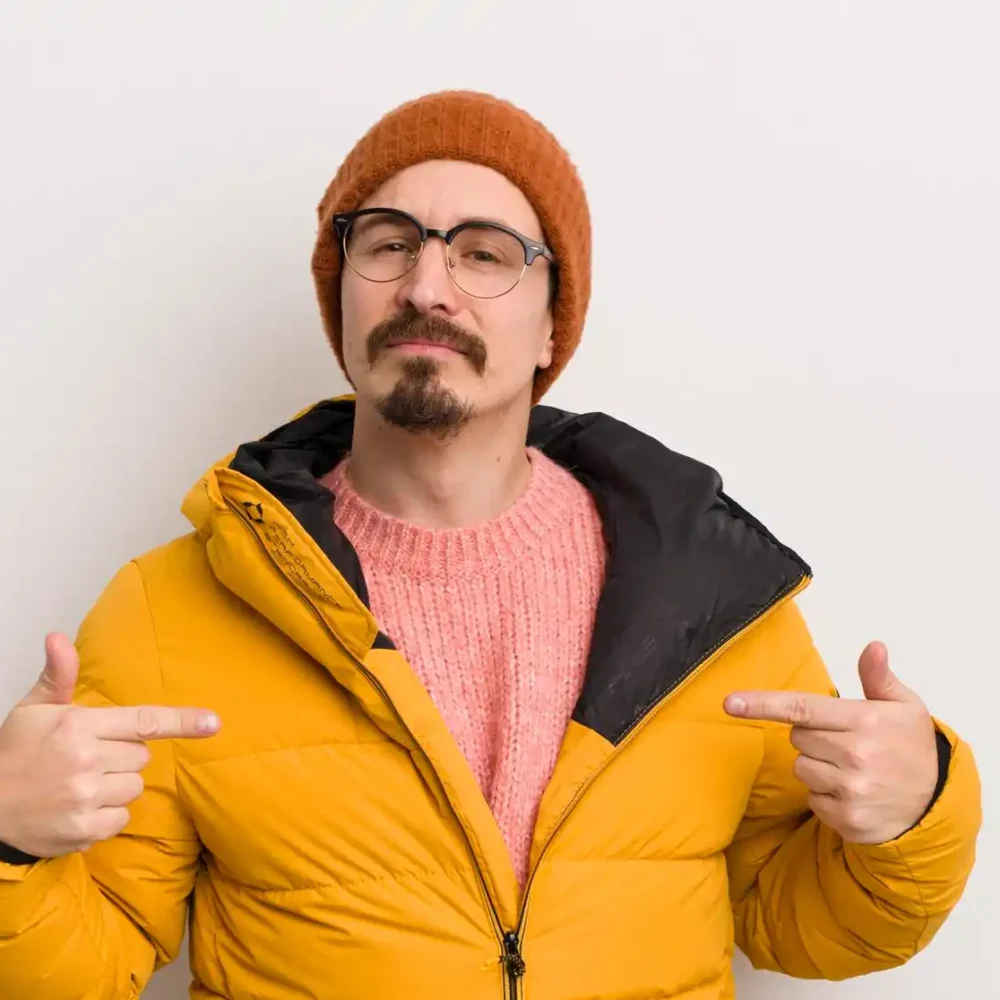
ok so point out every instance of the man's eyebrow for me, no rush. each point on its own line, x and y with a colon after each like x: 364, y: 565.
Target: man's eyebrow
x: 484, y: 220
x: 487, y: 220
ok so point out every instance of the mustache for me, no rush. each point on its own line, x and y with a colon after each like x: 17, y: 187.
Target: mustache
x: 411, y: 325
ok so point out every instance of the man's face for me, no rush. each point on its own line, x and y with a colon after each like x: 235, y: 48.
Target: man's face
x: 427, y: 354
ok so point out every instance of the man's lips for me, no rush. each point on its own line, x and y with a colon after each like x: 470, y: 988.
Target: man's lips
x: 424, y: 347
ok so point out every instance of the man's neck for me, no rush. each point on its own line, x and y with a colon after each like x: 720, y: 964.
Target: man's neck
x: 465, y: 479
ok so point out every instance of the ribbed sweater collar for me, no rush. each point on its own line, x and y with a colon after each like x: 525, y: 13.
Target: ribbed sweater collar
x: 390, y: 543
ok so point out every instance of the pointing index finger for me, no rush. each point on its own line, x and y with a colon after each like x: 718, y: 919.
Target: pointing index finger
x: 139, y: 723
x: 794, y: 708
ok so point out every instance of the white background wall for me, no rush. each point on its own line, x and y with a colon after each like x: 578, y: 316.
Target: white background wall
x: 797, y: 278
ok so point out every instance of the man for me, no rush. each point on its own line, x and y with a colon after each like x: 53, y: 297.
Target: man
x: 500, y: 701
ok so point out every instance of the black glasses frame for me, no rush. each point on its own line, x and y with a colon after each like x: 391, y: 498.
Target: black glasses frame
x: 343, y: 221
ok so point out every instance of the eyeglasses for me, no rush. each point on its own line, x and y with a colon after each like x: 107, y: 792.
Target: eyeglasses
x: 485, y: 259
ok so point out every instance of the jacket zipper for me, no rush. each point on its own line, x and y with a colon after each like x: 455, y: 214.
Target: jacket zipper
x: 510, y: 941
x: 513, y: 961
x: 510, y: 956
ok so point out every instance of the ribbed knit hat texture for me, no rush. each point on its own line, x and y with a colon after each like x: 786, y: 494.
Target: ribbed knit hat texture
x: 478, y: 128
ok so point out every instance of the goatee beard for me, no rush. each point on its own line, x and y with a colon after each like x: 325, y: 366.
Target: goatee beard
x: 419, y: 403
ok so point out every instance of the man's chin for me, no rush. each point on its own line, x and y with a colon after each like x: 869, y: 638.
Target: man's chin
x: 424, y: 406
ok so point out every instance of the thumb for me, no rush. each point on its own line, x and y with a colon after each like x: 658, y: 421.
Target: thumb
x: 877, y: 679
x: 58, y: 679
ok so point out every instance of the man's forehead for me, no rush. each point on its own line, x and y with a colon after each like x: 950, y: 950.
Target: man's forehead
x: 443, y: 193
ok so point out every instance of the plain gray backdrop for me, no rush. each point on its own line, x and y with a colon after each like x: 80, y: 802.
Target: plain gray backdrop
x: 797, y: 279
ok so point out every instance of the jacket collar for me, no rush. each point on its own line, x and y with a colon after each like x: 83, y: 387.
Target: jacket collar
x: 688, y: 568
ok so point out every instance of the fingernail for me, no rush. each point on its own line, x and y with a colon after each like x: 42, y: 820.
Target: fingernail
x: 736, y: 706
x: 208, y: 723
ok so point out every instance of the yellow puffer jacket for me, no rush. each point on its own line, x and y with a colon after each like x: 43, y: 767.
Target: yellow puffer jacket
x: 333, y: 840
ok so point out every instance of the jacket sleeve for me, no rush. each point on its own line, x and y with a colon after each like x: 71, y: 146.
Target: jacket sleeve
x: 810, y: 904
x: 95, y: 925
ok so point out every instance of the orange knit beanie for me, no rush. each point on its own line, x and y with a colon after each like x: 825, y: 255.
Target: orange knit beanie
x: 465, y: 125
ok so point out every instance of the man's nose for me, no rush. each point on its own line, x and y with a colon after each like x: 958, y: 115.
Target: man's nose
x: 428, y: 286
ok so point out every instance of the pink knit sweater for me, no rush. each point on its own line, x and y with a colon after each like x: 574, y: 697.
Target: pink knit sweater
x: 496, y: 619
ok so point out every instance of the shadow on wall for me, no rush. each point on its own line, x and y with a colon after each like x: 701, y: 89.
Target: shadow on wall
x: 171, y: 983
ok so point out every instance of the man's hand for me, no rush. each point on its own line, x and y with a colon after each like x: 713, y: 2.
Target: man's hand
x: 870, y: 765
x: 67, y: 773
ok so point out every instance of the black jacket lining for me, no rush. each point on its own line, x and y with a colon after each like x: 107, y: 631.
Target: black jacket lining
x: 687, y: 569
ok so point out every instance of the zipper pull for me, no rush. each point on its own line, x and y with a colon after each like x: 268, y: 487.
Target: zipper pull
x: 512, y: 955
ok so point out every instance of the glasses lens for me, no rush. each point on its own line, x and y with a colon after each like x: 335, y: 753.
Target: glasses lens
x: 382, y: 246
x: 486, y: 261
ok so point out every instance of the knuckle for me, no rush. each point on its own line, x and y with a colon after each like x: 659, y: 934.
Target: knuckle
x: 797, y: 711
x: 82, y: 756
x: 138, y: 787
x: 71, y: 719
x: 82, y: 789
x: 851, y: 820
x: 71, y: 727
x: 147, y: 725
x: 120, y: 821
x: 820, y: 808
x: 857, y: 786
x: 870, y: 719
x: 856, y: 755
x: 77, y: 827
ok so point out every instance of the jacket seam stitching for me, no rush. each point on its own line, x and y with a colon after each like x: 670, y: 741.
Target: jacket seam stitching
x: 87, y: 931
x: 297, y: 748
x: 336, y: 886
x: 163, y: 681
x: 920, y: 899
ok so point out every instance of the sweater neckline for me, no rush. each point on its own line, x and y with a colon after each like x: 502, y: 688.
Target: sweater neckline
x: 385, y: 541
